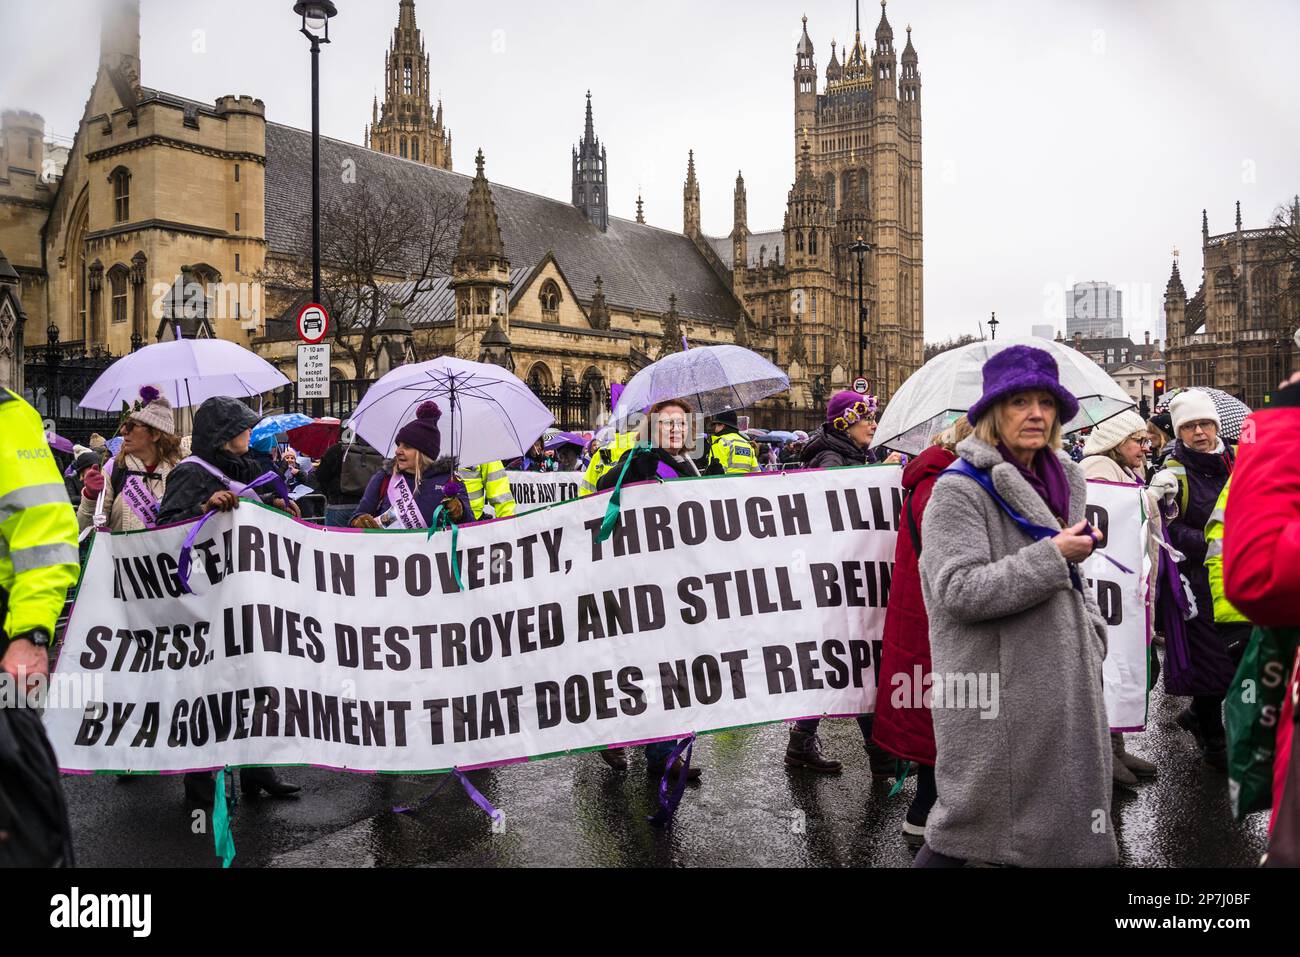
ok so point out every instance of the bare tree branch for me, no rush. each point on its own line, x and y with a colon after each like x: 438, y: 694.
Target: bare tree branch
x: 378, y: 236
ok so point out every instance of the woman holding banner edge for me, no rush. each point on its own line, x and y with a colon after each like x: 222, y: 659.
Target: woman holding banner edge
x: 204, y: 482
x: 419, y: 483
x: 666, y: 456
x: 1031, y: 784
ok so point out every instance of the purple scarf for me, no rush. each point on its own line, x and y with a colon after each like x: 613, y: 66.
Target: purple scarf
x: 1047, y: 477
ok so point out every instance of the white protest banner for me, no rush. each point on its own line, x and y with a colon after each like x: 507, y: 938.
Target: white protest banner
x: 1116, y: 511
x: 716, y: 603
x: 531, y: 489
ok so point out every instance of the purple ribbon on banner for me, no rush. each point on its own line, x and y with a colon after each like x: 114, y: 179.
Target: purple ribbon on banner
x: 615, y: 393
x: 474, y: 795
x: 1174, y: 611
x: 668, y: 801
x: 186, y: 559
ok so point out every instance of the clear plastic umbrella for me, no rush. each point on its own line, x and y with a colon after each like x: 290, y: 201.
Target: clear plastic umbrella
x: 712, y: 379
x: 488, y: 413
x: 934, y: 396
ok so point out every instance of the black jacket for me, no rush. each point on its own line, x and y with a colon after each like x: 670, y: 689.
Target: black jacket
x: 189, y: 486
x: 829, y: 448
x: 643, y: 467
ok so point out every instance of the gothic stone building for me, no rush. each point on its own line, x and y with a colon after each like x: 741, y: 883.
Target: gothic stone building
x: 858, y: 176
x: 1235, y: 333
x: 408, y: 126
x: 159, y: 188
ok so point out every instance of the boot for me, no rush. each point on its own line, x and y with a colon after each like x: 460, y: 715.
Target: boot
x: 913, y: 834
x: 1120, y: 774
x: 883, y: 764
x: 201, y: 787
x: 1188, y: 721
x: 805, y: 751
x: 1141, y: 768
x: 252, y: 781
x: 656, y: 769
x: 1215, y: 753
x: 616, y: 758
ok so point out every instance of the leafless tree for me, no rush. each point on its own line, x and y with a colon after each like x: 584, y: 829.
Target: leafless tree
x: 933, y: 349
x: 381, y: 243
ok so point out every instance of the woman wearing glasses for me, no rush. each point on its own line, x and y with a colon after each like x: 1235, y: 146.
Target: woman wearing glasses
x: 664, y: 452
x: 1194, y: 475
x: 844, y: 440
x: 1116, y: 451
x: 124, y: 496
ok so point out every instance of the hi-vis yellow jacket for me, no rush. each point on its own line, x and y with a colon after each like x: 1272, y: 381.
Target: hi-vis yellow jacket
x: 488, y: 484
x: 604, y: 460
x: 1223, y: 610
x: 734, y: 453
x: 38, y: 528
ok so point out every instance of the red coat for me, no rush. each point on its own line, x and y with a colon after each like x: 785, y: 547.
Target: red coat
x: 908, y: 731
x: 1261, y: 529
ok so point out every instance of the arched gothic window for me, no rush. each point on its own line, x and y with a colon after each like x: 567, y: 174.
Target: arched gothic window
x: 121, y: 180
x: 117, y: 277
x: 550, y: 298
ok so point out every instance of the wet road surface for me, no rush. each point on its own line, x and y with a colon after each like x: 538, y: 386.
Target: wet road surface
x: 749, y: 810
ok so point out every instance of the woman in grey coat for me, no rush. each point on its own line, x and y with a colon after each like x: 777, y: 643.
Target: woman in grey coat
x: 1024, y: 774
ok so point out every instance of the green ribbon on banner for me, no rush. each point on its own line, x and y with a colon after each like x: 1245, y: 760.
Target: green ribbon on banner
x: 901, y: 770
x: 616, y: 497
x: 441, y: 516
x: 222, y: 836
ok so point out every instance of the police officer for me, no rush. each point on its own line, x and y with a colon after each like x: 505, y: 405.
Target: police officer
x: 730, y: 452
x: 38, y: 563
x: 38, y: 540
x: 605, y: 458
x: 488, y: 484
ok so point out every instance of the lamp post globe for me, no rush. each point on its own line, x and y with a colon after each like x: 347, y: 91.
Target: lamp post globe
x: 316, y: 16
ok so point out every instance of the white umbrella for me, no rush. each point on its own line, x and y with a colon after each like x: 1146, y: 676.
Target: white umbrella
x: 188, y: 371
x: 950, y: 383
x: 488, y: 413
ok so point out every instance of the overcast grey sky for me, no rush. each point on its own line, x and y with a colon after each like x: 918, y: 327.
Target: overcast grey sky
x: 1062, y: 141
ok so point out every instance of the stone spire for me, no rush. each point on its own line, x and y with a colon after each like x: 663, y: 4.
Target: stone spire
x: 480, y: 236
x: 640, y: 209
x: 1175, y: 284
x: 671, y: 340
x: 834, y: 71
x: 599, y: 311
x: 590, y: 189
x: 740, y: 225
x: 691, y: 200
x: 407, y: 125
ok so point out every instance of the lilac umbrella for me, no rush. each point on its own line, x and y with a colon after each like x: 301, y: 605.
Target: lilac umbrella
x: 489, y: 415
x: 59, y: 443
x: 712, y: 379
x: 188, y: 371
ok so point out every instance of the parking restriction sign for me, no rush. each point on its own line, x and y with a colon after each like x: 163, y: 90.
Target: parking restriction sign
x: 314, y: 371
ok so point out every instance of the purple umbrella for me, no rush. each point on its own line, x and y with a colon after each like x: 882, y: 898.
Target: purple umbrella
x: 188, y: 371
x: 59, y: 443
x: 565, y: 438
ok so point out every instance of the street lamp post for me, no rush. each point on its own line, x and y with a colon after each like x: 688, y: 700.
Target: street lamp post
x: 860, y: 250
x: 993, y: 327
x: 316, y: 15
